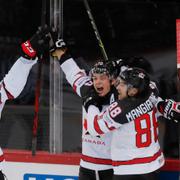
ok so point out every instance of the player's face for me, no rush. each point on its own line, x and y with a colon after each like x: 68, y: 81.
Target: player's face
x: 101, y: 83
x: 122, y: 88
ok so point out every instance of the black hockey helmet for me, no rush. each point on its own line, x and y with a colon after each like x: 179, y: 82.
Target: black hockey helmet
x: 137, y: 78
x: 99, y: 68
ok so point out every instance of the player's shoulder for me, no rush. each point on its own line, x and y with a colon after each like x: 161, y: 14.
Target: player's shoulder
x: 129, y: 104
x: 129, y: 109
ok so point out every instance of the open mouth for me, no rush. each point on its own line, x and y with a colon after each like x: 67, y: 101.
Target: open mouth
x: 99, y: 90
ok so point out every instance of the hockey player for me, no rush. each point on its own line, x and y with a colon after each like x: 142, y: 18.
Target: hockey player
x: 132, y: 119
x: 13, y: 83
x: 95, y: 161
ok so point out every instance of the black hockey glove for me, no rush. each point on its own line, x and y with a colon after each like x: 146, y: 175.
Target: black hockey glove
x: 114, y: 66
x: 56, y: 42
x: 37, y: 44
x: 170, y: 109
x: 58, y: 47
x: 92, y: 99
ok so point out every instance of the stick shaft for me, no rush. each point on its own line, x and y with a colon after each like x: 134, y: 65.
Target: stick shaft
x: 101, y: 45
x: 38, y: 87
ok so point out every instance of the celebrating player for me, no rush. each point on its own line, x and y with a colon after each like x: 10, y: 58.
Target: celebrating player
x: 14, y: 82
x: 96, y: 158
x: 132, y: 119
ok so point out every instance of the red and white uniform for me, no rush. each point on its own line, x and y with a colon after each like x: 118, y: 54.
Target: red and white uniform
x: 95, y: 149
x: 135, y: 148
x: 13, y: 83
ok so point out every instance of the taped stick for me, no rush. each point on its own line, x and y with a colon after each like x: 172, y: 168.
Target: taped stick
x: 101, y: 45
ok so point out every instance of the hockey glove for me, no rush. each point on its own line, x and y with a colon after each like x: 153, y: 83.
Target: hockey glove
x: 170, y: 109
x: 92, y: 99
x: 58, y: 47
x: 37, y: 44
x: 56, y: 42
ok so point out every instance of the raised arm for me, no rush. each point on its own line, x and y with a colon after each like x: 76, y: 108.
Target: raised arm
x: 14, y: 81
x: 76, y: 77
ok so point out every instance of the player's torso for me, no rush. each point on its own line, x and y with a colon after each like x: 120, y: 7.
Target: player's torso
x: 135, y: 145
x: 96, y: 151
x: 135, y: 139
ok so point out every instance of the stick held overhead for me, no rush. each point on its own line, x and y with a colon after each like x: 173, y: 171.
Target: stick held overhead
x: 98, y: 37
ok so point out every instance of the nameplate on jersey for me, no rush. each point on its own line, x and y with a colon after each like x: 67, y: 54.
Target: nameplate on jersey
x: 143, y: 108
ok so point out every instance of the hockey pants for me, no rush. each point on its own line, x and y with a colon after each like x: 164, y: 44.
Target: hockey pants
x: 87, y: 174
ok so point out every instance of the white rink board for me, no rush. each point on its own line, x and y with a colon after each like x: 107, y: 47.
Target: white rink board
x: 38, y: 171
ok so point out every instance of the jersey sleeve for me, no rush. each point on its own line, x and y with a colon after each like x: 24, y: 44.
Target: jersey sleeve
x: 14, y: 81
x: 155, y: 98
x: 157, y: 101
x: 76, y: 77
x: 100, y: 123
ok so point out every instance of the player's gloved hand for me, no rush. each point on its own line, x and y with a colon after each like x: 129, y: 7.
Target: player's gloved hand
x: 58, y: 47
x: 56, y: 42
x: 154, y: 97
x: 114, y: 66
x: 171, y: 109
x: 37, y: 44
x: 59, y: 50
x: 92, y: 99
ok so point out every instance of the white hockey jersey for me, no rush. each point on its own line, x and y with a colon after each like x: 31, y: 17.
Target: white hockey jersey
x: 135, y: 148
x: 95, y: 150
x: 12, y: 85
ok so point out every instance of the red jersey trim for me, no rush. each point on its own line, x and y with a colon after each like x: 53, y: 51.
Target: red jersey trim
x: 74, y: 84
x: 96, y: 125
x: 9, y: 95
x: 2, y: 158
x: 138, y: 160
x: 110, y: 128
x: 96, y: 160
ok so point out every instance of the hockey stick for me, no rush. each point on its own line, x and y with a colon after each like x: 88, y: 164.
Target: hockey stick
x: 101, y: 45
x: 38, y: 88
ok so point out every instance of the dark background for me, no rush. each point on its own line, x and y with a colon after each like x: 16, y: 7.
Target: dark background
x: 127, y: 27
